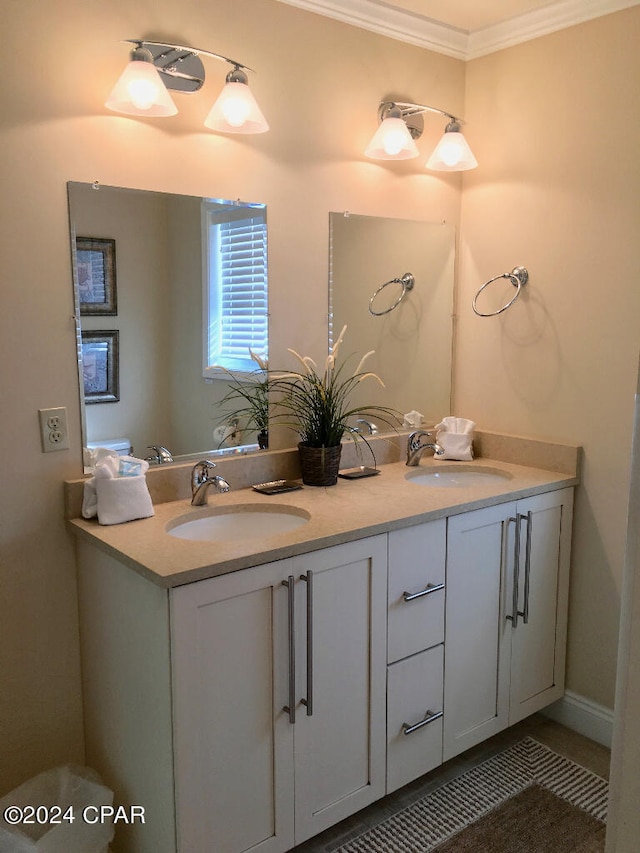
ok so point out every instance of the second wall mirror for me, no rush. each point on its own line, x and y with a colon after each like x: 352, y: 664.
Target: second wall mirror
x: 412, y: 334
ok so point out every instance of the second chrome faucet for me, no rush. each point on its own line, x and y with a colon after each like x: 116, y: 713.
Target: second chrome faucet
x: 202, y: 477
x: 416, y: 447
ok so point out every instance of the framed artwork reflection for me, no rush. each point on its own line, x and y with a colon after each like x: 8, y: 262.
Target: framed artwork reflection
x: 100, y: 367
x: 96, y: 272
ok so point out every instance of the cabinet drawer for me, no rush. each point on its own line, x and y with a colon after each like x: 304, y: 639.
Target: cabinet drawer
x: 414, y: 721
x: 416, y: 593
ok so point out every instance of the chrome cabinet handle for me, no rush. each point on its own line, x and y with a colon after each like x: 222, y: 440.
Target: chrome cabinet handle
x: 430, y: 587
x: 291, y: 707
x: 516, y: 573
x: 407, y: 728
x: 308, y: 578
x: 527, y: 566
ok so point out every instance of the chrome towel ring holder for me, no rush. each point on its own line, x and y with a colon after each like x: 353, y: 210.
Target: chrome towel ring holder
x: 407, y: 281
x: 519, y: 276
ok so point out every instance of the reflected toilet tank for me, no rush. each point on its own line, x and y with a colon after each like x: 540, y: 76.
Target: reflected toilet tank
x: 122, y: 446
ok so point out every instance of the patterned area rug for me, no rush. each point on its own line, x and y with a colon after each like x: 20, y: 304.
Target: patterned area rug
x: 527, y: 799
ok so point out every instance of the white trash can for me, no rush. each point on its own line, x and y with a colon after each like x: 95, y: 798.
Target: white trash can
x: 57, y: 811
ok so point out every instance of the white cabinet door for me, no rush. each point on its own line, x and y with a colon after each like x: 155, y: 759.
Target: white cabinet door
x: 506, y: 615
x: 340, y: 747
x: 538, y: 637
x: 476, y: 681
x: 233, y: 744
x: 236, y: 744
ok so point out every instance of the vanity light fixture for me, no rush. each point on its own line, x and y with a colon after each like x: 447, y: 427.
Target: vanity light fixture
x: 154, y: 68
x: 402, y: 123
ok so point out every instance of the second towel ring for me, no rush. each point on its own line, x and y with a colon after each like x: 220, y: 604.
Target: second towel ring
x: 407, y: 281
x: 519, y: 276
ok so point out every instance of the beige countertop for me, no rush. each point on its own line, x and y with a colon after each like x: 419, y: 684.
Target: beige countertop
x: 352, y: 509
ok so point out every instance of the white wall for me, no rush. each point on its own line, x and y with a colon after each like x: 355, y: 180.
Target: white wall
x: 543, y: 120
x: 558, y: 134
x: 314, y: 75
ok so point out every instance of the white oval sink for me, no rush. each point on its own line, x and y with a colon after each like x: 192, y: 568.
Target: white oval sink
x: 452, y: 477
x: 237, y: 522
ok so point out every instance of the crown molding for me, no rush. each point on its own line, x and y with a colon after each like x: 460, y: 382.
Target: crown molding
x: 378, y: 17
x: 540, y: 22
x: 393, y: 23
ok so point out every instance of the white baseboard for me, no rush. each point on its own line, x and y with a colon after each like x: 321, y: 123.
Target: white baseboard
x: 583, y: 716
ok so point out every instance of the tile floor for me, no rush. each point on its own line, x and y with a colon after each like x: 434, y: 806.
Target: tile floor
x: 562, y: 740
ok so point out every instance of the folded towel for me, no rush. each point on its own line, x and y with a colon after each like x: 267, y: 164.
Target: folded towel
x: 118, y: 490
x: 455, y: 437
x: 461, y: 426
x: 123, y: 499
x: 412, y: 419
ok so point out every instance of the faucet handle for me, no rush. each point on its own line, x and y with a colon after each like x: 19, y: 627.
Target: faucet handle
x: 373, y: 429
x: 160, y: 454
x: 200, y: 472
x: 414, y: 438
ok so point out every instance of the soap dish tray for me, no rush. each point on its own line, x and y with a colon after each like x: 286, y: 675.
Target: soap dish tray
x: 356, y: 473
x: 276, y: 487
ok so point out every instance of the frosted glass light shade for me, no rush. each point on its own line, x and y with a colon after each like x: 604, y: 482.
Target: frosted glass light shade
x: 140, y: 92
x: 236, y: 111
x: 452, y: 154
x: 392, y: 141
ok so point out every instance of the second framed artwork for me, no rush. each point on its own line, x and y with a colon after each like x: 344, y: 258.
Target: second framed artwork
x: 96, y: 272
x: 100, y: 366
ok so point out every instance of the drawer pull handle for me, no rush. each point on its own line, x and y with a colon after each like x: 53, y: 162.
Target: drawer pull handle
x: 430, y: 717
x: 431, y: 587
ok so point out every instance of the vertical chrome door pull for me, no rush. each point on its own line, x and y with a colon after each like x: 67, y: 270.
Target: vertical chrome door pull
x: 308, y: 578
x: 291, y: 707
x: 516, y: 573
x: 527, y: 566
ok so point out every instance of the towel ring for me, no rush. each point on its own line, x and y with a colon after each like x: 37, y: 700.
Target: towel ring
x: 519, y: 276
x: 407, y: 281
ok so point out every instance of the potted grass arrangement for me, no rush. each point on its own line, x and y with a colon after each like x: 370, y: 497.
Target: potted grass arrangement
x: 250, y: 399
x: 315, y: 403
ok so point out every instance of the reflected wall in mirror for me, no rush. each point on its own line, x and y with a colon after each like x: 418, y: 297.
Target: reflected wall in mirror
x: 167, y: 319
x: 413, y: 341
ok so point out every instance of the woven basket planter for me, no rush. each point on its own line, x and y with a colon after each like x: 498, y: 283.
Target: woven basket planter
x: 319, y: 464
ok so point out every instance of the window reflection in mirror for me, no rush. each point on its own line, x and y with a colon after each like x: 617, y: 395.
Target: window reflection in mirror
x: 235, y: 278
x: 163, y: 294
x: 413, y: 341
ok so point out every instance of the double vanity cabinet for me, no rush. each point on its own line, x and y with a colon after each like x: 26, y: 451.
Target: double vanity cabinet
x: 249, y: 709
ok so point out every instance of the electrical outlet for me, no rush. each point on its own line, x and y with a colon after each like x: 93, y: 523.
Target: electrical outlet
x: 53, y: 429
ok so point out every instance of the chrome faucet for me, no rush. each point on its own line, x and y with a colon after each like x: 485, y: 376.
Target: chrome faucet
x: 415, y: 447
x: 160, y: 454
x: 373, y: 429
x: 201, y: 478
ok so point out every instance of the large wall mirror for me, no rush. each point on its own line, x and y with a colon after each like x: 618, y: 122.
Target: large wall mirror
x: 145, y: 340
x: 413, y: 340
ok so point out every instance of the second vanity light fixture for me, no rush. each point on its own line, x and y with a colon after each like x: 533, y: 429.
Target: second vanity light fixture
x: 402, y: 123
x: 154, y: 68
